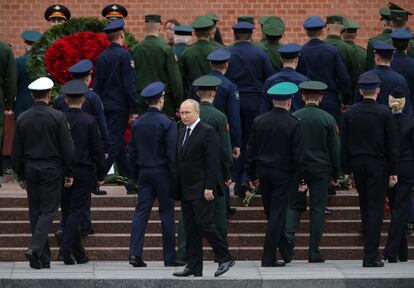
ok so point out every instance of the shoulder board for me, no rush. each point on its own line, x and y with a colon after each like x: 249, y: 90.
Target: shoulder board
x: 294, y: 117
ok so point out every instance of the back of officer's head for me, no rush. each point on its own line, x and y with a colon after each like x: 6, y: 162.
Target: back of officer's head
x: 400, y: 45
x: 115, y: 36
x: 152, y: 27
x: 74, y: 101
x: 243, y: 35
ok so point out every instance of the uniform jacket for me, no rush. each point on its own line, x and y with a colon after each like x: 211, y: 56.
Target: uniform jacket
x: 404, y: 65
x: 24, y: 98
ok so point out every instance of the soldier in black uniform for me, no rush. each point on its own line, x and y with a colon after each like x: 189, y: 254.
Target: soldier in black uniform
x: 396, y: 248
x: 89, y: 166
x: 274, y: 154
x: 369, y: 151
x: 42, y: 153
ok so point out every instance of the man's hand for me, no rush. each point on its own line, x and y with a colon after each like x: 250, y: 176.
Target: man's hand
x: 106, y: 155
x: 392, y: 180
x: 8, y: 112
x: 236, y: 152
x: 68, y: 182
x: 208, y: 194
x: 132, y: 117
x: 303, y: 187
x: 227, y: 182
x: 23, y: 184
x: 254, y: 184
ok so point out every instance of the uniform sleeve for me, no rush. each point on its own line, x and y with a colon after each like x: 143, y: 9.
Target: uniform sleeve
x: 129, y: 82
x: 392, y: 149
x: 99, y: 81
x: 251, y: 153
x: 344, y: 146
x: 66, y: 145
x: 265, y: 101
x: 233, y: 114
x: 171, y: 145
x: 298, y: 151
x: 132, y: 155
x: 268, y: 67
x: 100, y: 120
x: 370, y: 56
x: 225, y: 147
x: 17, y: 155
x: 175, y: 81
x: 334, y: 149
x: 211, y: 154
x: 343, y: 80
x: 10, y: 81
x: 408, y: 109
x: 97, y: 151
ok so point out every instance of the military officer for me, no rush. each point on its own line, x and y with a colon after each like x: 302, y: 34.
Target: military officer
x: 151, y: 154
x: 42, y: 155
x: 369, y: 151
x: 401, y: 62
x: 390, y: 80
x: 262, y: 20
x: 182, y: 38
x: 385, y: 18
x: 115, y: 84
x: 249, y: 67
x: 399, y: 20
x: 114, y: 11
x: 250, y: 19
x: 349, y: 34
x: 334, y: 28
x: 193, y: 60
x: 322, y: 158
x: 289, y: 55
x: 57, y: 14
x: 89, y: 166
x: 273, y: 29
x: 155, y: 60
x: 272, y: 161
x: 321, y: 61
x: 215, y: 36
x: 24, y: 99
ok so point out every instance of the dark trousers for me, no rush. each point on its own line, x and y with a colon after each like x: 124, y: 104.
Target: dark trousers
x: 399, y: 199
x: 249, y: 110
x: 318, y: 183
x: 77, y: 199
x: 371, y: 182
x: 198, y: 222
x: 117, y: 122
x: 44, y: 184
x: 152, y: 186
x: 275, y: 188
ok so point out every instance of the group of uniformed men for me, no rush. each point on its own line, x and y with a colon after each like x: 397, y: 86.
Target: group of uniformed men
x: 246, y: 93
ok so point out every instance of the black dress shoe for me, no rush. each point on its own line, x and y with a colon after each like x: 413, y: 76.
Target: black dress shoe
x: 316, y: 260
x: 328, y: 211
x: 98, y: 191
x: 174, y: 263
x: 33, y: 259
x: 223, y: 268
x: 82, y: 260
x: 68, y: 260
x: 188, y: 272
x: 136, y: 261
x: 45, y: 265
x: 391, y: 259
x: 274, y: 264
x: 373, y: 264
x: 231, y: 212
x: 86, y: 232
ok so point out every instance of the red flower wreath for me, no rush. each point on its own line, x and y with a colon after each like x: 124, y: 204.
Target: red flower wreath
x: 67, y: 51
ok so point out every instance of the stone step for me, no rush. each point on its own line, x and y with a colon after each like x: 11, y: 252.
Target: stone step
x: 126, y: 213
x: 155, y: 253
x: 154, y: 226
x: 155, y: 240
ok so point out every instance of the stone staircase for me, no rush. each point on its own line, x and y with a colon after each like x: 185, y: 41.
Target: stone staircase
x: 112, y: 215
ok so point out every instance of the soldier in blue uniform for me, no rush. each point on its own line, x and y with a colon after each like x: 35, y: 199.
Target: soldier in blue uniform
x: 182, y: 38
x: 390, y: 80
x: 227, y: 100
x: 401, y: 62
x: 24, y: 99
x: 320, y: 61
x: 115, y: 83
x: 369, y: 151
x: 89, y: 167
x: 151, y: 154
x: 289, y: 54
x: 272, y: 162
x: 249, y: 67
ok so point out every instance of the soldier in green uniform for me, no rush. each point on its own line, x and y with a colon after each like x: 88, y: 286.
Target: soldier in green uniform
x: 24, y: 98
x: 385, y: 18
x: 262, y: 20
x: 273, y: 29
x: 322, y: 157
x: 349, y: 34
x: 399, y: 20
x: 155, y: 61
x: 334, y: 27
x: 193, y: 60
x: 215, y: 118
x: 7, y: 85
x: 215, y: 36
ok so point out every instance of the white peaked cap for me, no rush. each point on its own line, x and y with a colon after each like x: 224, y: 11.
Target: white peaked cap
x: 41, y: 84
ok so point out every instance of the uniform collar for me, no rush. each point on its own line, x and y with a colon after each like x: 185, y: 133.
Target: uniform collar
x: 203, y: 41
x: 383, y: 67
x: 315, y: 41
x: 311, y: 105
x: 369, y: 101
x: 153, y: 109
x: 243, y: 43
x: 350, y: 42
x: 387, y: 31
x: 74, y: 110
x: 333, y: 37
x: 206, y: 103
x: 216, y: 72
x: 114, y: 44
x: 290, y: 69
x: 40, y: 103
x: 278, y: 109
x: 151, y: 37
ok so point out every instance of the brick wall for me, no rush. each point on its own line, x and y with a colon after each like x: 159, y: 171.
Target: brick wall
x: 17, y: 16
